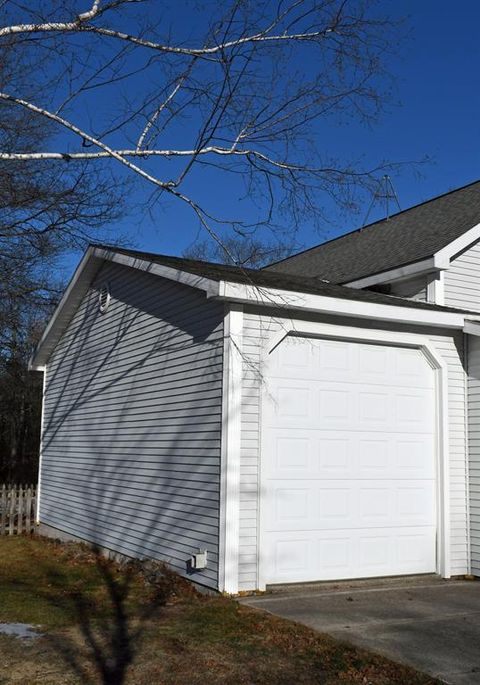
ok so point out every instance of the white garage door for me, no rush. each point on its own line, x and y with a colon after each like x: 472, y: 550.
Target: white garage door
x: 348, y: 462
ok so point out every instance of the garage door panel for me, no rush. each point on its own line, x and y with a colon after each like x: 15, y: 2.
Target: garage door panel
x: 307, y: 454
x: 304, y: 505
x: 322, y: 405
x: 348, y: 473
x: 349, y: 554
x: 339, y: 361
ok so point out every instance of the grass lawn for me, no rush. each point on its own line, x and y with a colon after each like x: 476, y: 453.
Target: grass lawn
x: 111, y: 624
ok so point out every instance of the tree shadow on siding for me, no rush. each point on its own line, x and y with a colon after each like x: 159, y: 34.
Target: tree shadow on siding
x: 147, y: 493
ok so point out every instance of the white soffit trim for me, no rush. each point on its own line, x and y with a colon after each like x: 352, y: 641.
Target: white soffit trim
x: 398, y: 274
x: 285, y: 299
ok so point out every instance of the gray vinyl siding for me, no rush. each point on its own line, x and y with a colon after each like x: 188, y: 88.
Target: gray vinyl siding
x: 132, y: 422
x: 412, y: 288
x: 462, y: 280
x: 257, y: 328
x: 474, y: 448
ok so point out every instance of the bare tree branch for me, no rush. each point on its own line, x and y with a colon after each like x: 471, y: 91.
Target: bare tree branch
x: 242, y: 93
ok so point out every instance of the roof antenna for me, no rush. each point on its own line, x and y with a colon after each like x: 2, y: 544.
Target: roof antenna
x: 385, y: 191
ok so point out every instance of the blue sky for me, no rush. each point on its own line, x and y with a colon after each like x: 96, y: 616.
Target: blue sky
x: 437, y: 84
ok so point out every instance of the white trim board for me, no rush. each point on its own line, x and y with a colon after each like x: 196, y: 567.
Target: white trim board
x: 445, y: 255
x: 230, y: 460
x: 399, y: 273
x: 206, y: 284
x: 285, y: 299
x: 311, y: 329
x: 472, y: 327
x: 231, y: 291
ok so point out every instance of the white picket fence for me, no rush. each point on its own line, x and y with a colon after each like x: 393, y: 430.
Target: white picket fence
x: 17, y: 509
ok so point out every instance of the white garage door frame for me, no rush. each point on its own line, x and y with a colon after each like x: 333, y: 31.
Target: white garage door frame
x: 408, y: 340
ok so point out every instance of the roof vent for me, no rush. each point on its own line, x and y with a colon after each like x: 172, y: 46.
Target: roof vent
x: 104, y: 298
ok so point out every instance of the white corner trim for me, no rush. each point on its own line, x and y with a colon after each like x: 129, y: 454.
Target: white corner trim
x: 40, y: 453
x: 230, y: 459
x: 436, y: 289
x: 436, y: 361
x: 398, y: 274
x: 466, y: 355
x: 443, y: 256
x: 285, y: 299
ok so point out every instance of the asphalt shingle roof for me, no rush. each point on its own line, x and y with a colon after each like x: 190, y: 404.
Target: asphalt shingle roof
x: 272, y: 279
x: 409, y: 236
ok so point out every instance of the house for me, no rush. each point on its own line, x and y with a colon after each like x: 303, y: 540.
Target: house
x: 315, y: 420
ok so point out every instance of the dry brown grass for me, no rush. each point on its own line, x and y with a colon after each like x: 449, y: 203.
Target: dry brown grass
x: 175, y: 636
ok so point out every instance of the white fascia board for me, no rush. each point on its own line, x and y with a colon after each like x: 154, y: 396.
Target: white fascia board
x: 442, y: 257
x: 400, y: 273
x: 90, y: 263
x: 285, y: 299
x: 172, y: 274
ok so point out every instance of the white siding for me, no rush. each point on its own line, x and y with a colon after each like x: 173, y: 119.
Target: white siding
x: 258, y: 327
x: 132, y: 427
x: 474, y: 447
x: 411, y: 288
x: 462, y: 280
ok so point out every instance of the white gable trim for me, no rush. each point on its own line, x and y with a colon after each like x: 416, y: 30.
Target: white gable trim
x: 83, y: 276
x: 172, y: 274
x: 443, y: 256
x: 71, y: 298
x: 436, y: 361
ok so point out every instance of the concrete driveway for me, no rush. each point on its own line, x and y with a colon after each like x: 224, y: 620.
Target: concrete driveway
x: 430, y: 624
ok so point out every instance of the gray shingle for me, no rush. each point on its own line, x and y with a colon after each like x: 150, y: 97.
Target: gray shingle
x: 409, y: 236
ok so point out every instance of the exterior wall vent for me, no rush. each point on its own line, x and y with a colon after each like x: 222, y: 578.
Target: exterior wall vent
x: 104, y: 298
